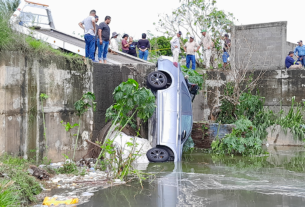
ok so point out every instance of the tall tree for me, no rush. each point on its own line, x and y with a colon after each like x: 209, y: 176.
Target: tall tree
x: 194, y: 15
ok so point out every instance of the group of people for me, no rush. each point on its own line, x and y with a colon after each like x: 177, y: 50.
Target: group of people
x: 299, y: 52
x: 98, y: 37
x: 191, y: 47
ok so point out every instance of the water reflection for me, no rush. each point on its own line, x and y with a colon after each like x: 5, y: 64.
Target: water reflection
x: 206, y: 180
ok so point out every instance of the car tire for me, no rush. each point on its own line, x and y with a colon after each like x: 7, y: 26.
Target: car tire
x: 156, y: 80
x: 157, y: 155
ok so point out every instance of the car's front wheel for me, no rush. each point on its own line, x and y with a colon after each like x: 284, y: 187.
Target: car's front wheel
x: 156, y: 80
x: 157, y: 155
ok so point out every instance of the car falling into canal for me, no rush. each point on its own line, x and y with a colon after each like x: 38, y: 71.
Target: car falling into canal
x: 171, y: 124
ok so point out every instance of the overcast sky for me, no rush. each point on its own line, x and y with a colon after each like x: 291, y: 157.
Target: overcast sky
x: 137, y: 16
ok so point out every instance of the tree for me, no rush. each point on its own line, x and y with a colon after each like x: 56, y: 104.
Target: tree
x: 194, y: 15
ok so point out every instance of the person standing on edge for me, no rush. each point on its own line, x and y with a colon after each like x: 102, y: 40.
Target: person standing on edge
x: 125, y: 45
x: 104, y: 39
x: 291, y: 63
x: 175, y: 46
x: 96, y: 34
x: 132, y: 47
x: 301, y: 52
x: 114, y: 43
x: 226, y: 49
x: 190, y: 48
x: 207, y: 44
x: 144, y: 46
x: 88, y: 25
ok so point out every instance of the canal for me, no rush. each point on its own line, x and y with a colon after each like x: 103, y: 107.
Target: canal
x: 202, y: 179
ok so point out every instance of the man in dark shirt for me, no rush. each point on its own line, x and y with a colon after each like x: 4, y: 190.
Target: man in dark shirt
x: 143, y: 45
x: 103, y: 39
x: 226, y: 49
x: 291, y: 63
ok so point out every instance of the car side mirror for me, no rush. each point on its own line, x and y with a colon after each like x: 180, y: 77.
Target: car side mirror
x: 183, y: 134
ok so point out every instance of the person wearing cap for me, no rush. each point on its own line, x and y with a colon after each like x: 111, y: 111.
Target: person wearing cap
x: 88, y: 25
x: 125, y: 44
x: 103, y: 39
x: 190, y: 48
x: 300, y: 49
x: 226, y: 49
x: 143, y: 46
x: 113, y: 42
x: 175, y: 46
x: 207, y: 44
x: 96, y: 34
x: 291, y: 63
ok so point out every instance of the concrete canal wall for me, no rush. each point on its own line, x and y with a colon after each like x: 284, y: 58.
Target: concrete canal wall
x: 24, y: 78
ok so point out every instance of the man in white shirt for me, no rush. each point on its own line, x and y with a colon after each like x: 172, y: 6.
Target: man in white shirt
x: 190, y: 48
x: 175, y: 46
x: 207, y: 44
x: 88, y: 25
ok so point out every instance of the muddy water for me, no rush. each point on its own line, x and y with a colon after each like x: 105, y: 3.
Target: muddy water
x: 205, y: 180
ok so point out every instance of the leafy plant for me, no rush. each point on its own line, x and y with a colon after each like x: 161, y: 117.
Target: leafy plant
x: 130, y: 102
x: 43, y: 97
x: 193, y: 76
x: 293, y: 120
x: 81, y: 107
x: 243, y: 140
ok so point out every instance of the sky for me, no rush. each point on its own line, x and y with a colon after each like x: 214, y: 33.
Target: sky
x: 137, y: 16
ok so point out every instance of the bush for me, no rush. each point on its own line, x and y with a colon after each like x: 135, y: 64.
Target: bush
x: 243, y: 140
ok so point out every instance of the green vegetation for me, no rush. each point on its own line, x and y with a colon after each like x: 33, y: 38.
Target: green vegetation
x: 81, y: 107
x: 252, y: 120
x: 244, y: 140
x: 293, y: 120
x: 131, y: 103
x: 23, y: 186
x: 69, y: 167
x: 8, y: 194
x: 193, y: 76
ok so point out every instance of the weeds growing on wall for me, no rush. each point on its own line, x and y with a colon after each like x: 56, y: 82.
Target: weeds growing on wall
x: 81, y: 107
x: 131, y: 102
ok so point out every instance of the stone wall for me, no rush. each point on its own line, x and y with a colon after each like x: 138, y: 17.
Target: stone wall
x: 260, y: 46
x: 23, y: 79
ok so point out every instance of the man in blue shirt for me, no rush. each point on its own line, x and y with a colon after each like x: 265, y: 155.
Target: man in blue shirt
x: 291, y: 63
x: 301, y: 52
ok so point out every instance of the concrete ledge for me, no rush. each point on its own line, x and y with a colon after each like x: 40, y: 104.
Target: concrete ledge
x: 261, y: 25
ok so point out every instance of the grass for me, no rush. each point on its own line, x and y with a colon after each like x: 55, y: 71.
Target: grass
x: 11, y: 40
x: 17, y: 184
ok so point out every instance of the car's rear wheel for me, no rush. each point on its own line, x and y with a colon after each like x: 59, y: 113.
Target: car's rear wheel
x: 156, y: 80
x: 157, y: 155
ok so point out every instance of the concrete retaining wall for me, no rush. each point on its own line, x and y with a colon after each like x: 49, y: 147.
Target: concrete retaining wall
x: 263, y: 46
x: 23, y: 79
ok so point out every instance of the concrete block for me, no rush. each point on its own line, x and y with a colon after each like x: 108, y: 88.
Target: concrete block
x: 277, y: 136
